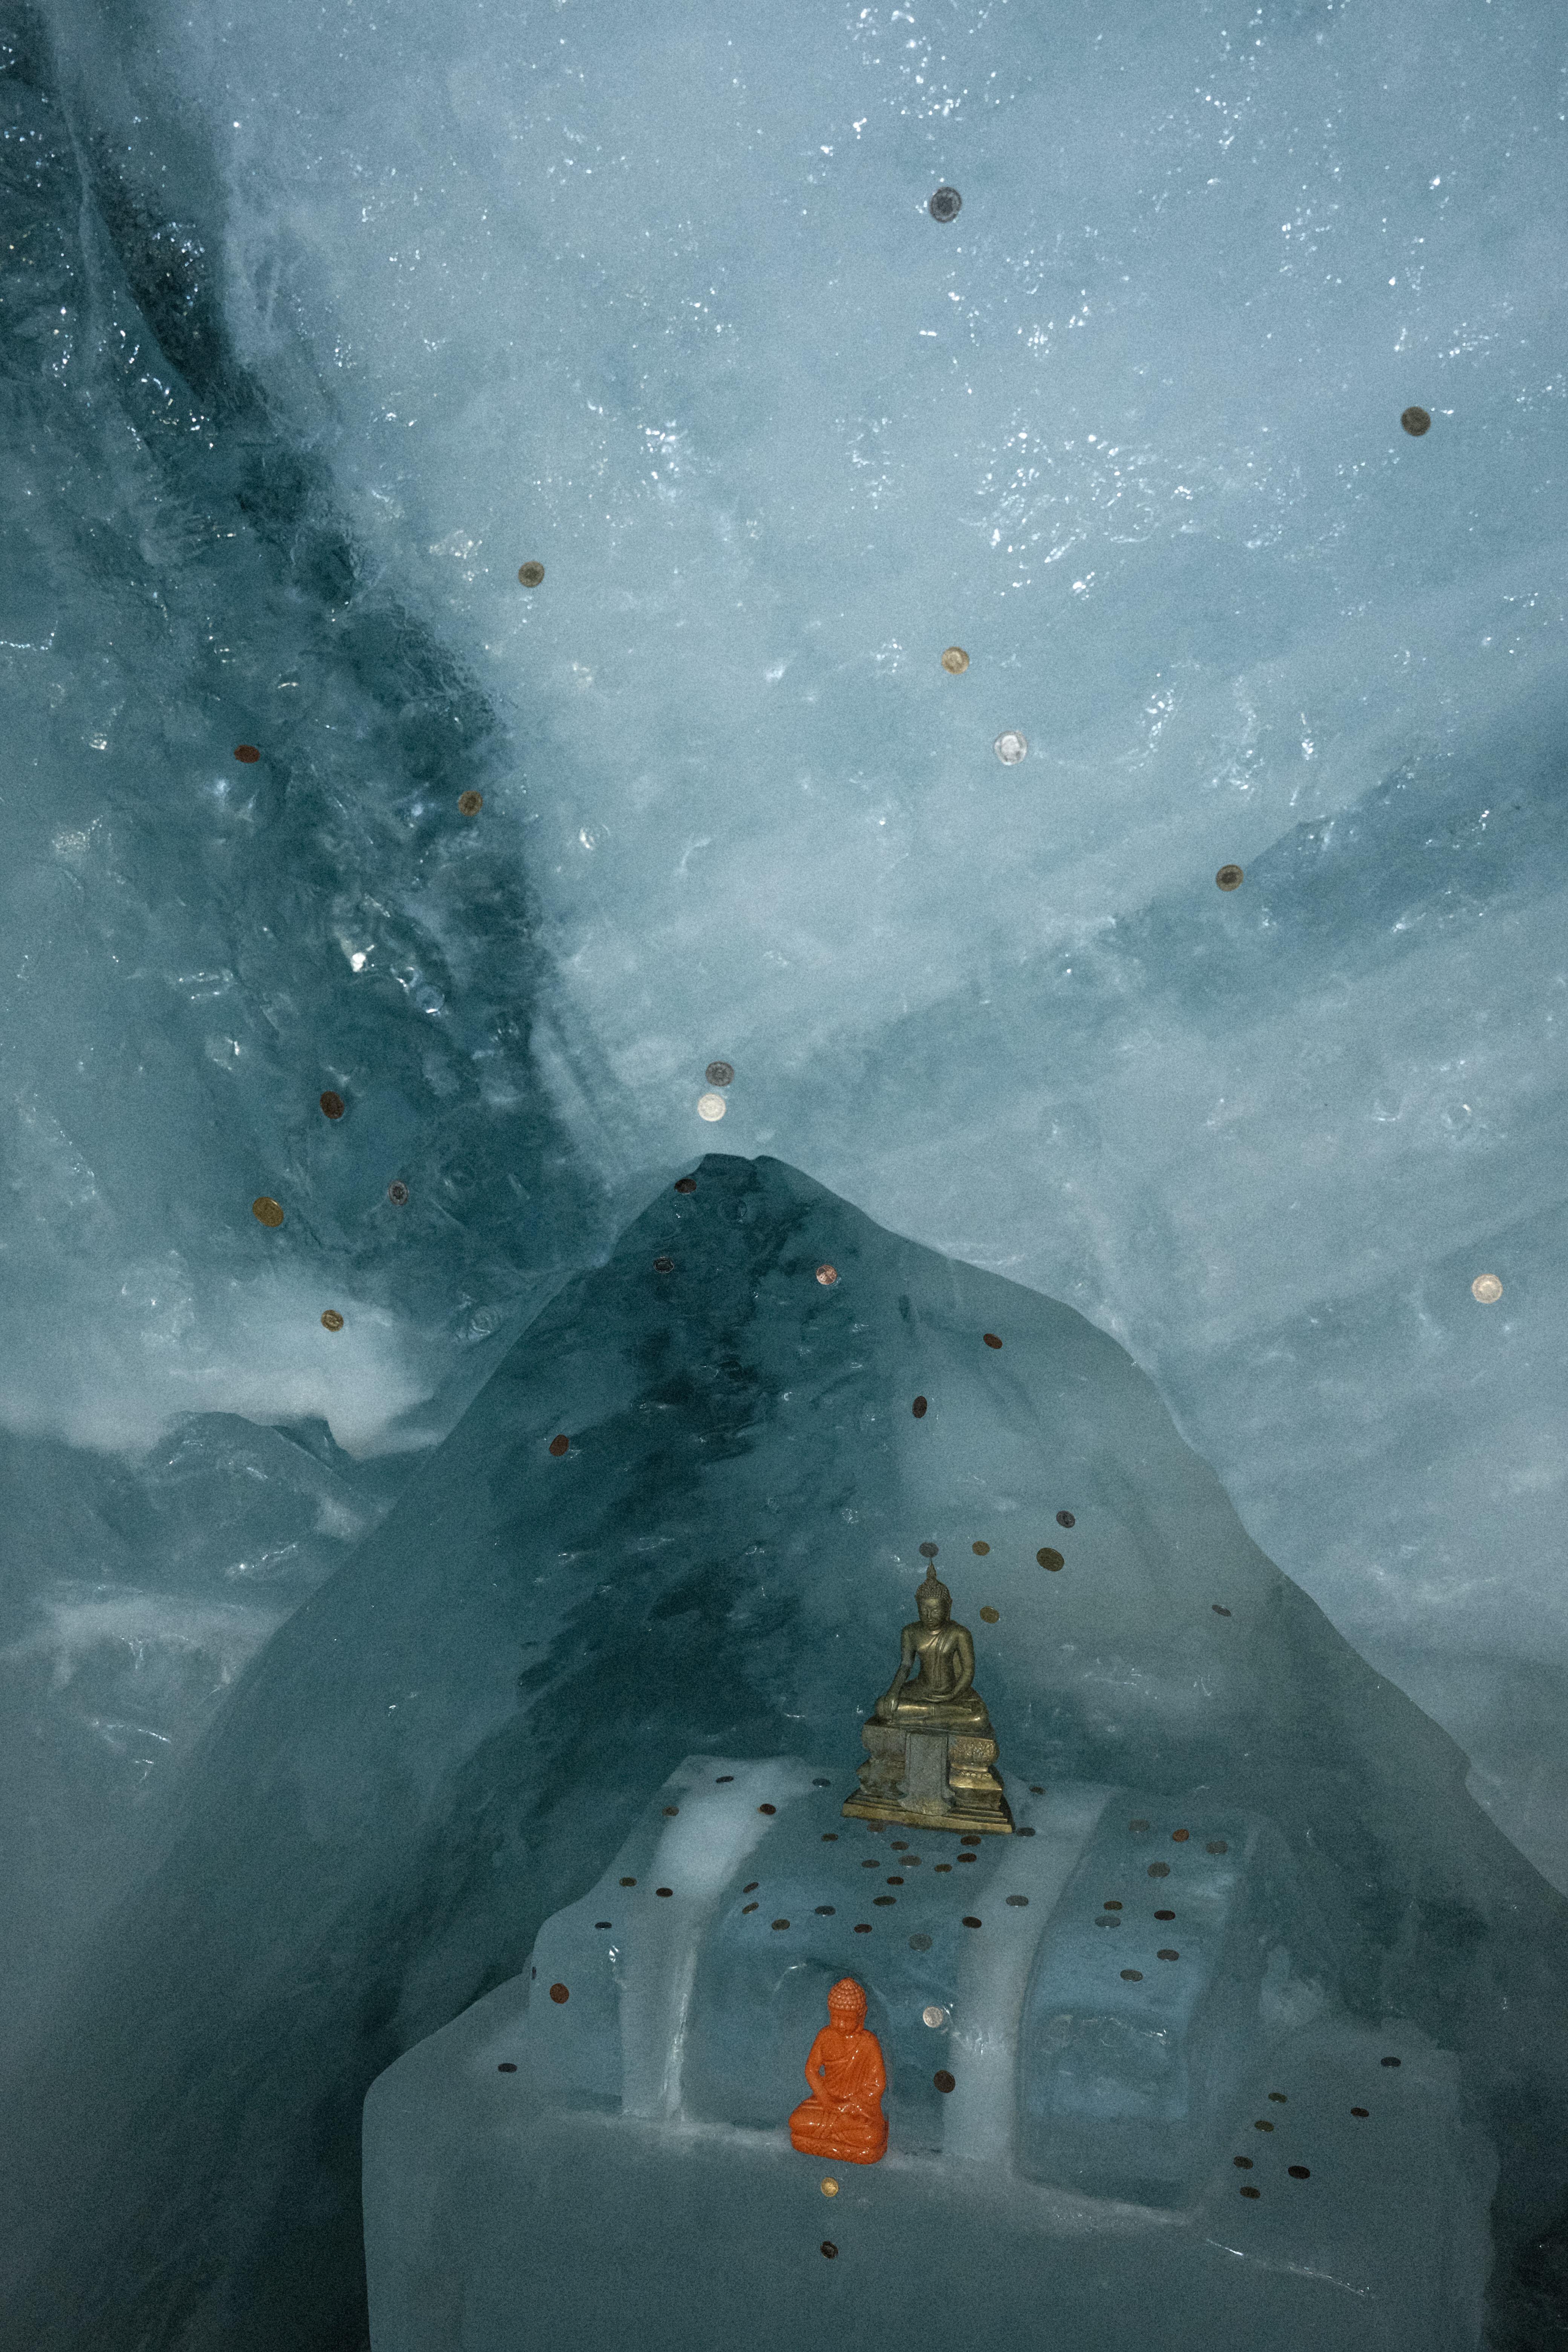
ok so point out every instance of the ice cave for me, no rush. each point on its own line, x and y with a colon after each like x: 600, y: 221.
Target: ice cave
x: 782, y: 1351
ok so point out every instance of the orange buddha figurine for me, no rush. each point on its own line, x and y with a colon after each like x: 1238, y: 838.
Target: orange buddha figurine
x: 843, y: 2118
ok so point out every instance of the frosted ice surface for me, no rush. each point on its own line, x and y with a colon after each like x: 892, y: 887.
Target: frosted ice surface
x: 318, y: 325
x: 633, y: 2087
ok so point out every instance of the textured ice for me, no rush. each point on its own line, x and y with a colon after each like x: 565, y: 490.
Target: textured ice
x: 450, y: 1742
x: 1079, y: 2111
x: 316, y: 324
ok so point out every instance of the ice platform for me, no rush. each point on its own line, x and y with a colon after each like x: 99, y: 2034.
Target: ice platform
x: 1148, y: 2117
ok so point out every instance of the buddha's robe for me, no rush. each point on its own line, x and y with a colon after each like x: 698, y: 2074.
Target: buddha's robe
x: 843, y: 2118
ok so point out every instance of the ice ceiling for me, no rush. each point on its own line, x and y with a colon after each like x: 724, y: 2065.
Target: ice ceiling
x: 325, y: 319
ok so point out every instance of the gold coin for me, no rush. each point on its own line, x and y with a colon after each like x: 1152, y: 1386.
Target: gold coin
x: 1229, y: 877
x: 331, y: 1320
x: 989, y: 1616
x: 1487, y: 1289
x: 267, y: 1211
x: 955, y: 661
x: 830, y: 2188
x: 531, y: 574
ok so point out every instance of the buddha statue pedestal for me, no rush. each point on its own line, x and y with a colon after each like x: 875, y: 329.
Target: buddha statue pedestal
x: 930, y: 1757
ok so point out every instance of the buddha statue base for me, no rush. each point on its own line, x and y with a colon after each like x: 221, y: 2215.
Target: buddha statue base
x: 930, y: 1779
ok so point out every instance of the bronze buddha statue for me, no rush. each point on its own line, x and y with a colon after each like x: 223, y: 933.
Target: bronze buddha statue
x: 931, y: 1757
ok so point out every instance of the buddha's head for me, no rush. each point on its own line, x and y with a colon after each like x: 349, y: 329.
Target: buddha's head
x: 933, y: 1599
x: 847, y: 2003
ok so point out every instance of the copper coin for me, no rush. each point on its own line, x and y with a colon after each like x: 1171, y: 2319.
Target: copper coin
x: 470, y: 803
x: 686, y: 1183
x: 1229, y: 877
x: 1179, y: 1837
x: 332, y: 1105
x: 1416, y: 421
x: 246, y: 752
x: 955, y: 661
x: 767, y: 1809
x: 990, y: 1340
x: 1297, y: 2173
x: 980, y: 1550
x: 827, y: 1275
x: 558, y: 1993
x: 331, y: 1320
x: 919, y: 1408
x: 531, y: 574
x: 943, y: 2080
x: 267, y: 1211
x: 830, y: 2249
x: 1051, y: 1559
x: 560, y: 1446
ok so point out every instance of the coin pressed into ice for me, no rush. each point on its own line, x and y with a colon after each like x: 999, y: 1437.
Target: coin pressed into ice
x: 1487, y: 1289
x: 709, y: 1106
x: 1010, y: 746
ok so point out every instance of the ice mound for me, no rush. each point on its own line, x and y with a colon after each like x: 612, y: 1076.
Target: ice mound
x: 450, y: 1741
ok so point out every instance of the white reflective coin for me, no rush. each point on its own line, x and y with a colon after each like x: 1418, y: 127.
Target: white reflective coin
x: 709, y: 1106
x: 935, y: 2016
x: 1010, y: 748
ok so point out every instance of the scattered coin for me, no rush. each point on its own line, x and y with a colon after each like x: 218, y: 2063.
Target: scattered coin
x: 1229, y: 877
x: 945, y: 205
x: 470, y: 803
x: 1416, y: 421
x: 955, y: 661
x: 331, y: 1320
x: 531, y: 574
x: 826, y: 1275
x: 397, y: 1193
x: 719, y: 1074
x: 267, y: 1211
x: 246, y: 753
x: 332, y: 1105
x: 1486, y: 1289
x: 1010, y: 746
x: 711, y: 1107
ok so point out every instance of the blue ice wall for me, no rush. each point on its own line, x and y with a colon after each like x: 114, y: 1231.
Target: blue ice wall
x: 316, y: 324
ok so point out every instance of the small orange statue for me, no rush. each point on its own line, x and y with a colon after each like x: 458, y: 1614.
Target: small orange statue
x: 843, y: 2118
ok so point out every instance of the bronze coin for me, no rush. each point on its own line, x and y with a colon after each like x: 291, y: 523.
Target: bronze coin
x: 1051, y: 1559
x: 663, y: 1890
x: 1179, y: 1837
x: 1362, y: 2112
x: 969, y: 1841
x: 331, y: 1320
x: 863, y: 1929
x: 1416, y: 421
x: 767, y: 1809
x: 955, y: 661
x: 990, y: 1340
x: 943, y: 2080
x: 1242, y: 2163
x: 470, y: 803
x: 1388, y: 2061
x: 629, y: 1882
x: 1132, y: 1976
x: 945, y: 205
x: 686, y: 1183
x: 1229, y: 877
x: 919, y: 1408
x: 830, y: 2249
x: 780, y: 1923
x: 989, y: 1616
x: 1167, y: 1956
x: 1249, y: 2192
x: 246, y: 752
x: 332, y: 1105
x: 506, y: 2067
x: 750, y: 1887
x: 560, y: 1446
x: 747, y: 1908
x: 397, y: 1193
x: 1066, y: 1520
x: 884, y: 1902
x: 1297, y: 2173
x: 980, y: 1550
x: 971, y: 1923
x: 1165, y: 1914
x: 531, y: 574
x: 267, y: 1211
x: 664, y: 1265
x: 558, y: 1993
